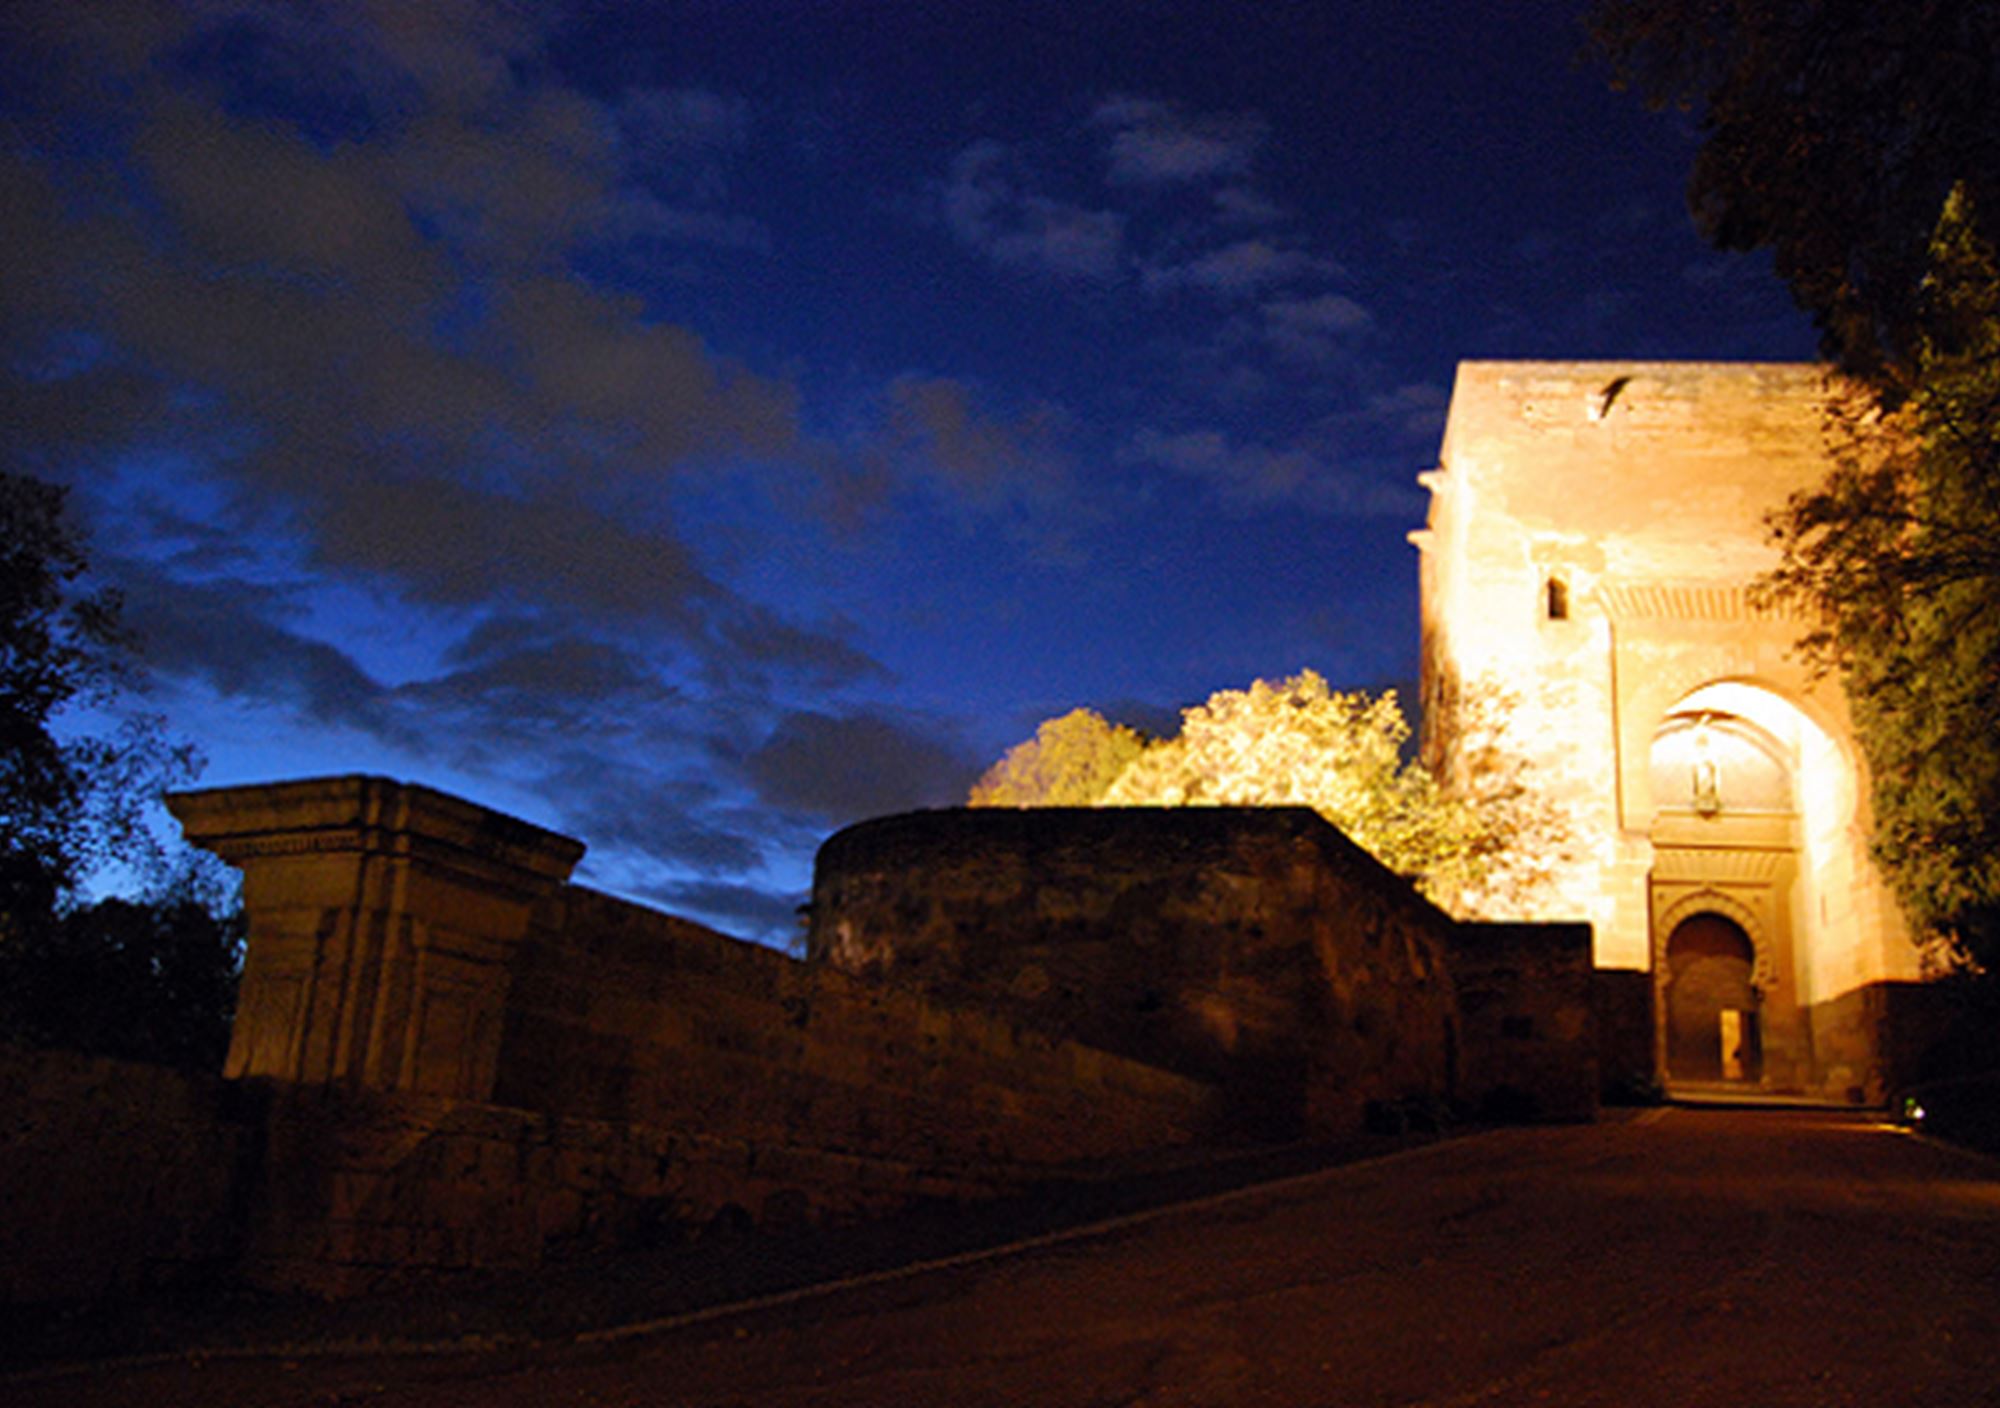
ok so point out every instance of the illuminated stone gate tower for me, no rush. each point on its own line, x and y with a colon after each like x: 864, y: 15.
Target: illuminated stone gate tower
x: 1592, y: 532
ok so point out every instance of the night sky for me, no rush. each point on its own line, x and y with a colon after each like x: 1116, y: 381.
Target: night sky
x: 695, y: 427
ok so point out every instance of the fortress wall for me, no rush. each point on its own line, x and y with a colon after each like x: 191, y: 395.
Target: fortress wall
x: 1257, y: 948
x: 625, y: 1014
x: 117, y: 1176
x: 473, y: 1065
x: 1527, y: 1001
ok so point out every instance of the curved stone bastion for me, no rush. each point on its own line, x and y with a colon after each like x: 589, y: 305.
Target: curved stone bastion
x: 1255, y: 948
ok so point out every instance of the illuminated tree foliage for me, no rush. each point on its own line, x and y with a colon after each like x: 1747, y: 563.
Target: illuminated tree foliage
x: 1897, y: 555
x: 1297, y: 742
x: 1070, y: 762
x: 1860, y: 144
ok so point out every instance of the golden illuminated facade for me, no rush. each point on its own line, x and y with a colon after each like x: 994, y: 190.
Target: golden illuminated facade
x: 1593, y: 532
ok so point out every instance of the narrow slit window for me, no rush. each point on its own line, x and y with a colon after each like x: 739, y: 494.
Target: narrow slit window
x: 1555, y: 600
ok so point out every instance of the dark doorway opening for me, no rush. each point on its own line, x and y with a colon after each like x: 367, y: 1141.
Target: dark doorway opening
x: 1711, y: 1003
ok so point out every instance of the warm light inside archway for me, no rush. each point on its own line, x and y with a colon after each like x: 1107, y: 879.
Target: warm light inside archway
x: 1736, y: 748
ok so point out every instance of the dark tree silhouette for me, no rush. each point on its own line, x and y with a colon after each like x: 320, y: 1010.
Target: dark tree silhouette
x: 152, y: 978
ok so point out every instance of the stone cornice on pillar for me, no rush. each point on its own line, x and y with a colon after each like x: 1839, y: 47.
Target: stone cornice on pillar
x: 377, y: 815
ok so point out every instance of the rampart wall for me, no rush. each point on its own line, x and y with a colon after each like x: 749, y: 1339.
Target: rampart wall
x: 1527, y: 1004
x: 117, y: 1177
x: 472, y: 1064
x: 447, y: 1059
x: 1257, y: 948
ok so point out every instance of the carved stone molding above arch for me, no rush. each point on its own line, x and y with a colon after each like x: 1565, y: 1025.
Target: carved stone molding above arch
x: 1684, y: 601
x: 1723, y: 867
x: 1670, y: 910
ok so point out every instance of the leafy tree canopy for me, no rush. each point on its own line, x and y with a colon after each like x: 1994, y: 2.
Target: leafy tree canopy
x: 1070, y: 762
x: 68, y: 801
x: 1897, y: 554
x: 1833, y: 132
x: 1298, y: 742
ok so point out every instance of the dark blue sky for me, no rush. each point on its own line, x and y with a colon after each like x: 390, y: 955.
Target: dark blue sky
x: 698, y: 426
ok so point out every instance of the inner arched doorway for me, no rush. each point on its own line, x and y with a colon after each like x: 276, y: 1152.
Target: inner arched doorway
x: 1711, y: 1002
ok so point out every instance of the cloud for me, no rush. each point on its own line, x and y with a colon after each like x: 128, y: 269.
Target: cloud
x: 991, y: 208
x: 1241, y: 205
x: 1155, y: 144
x: 222, y: 635
x: 1240, y: 268
x: 368, y: 452
x: 672, y: 121
x: 1244, y: 475
x: 665, y: 821
x: 680, y: 148
x: 1313, y: 471
x: 643, y: 216
x: 936, y: 430
x: 375, y: 342
x: 842, y: 768
x: 1314, y: 329
x: 757, y: 642
x: 1413, y: 411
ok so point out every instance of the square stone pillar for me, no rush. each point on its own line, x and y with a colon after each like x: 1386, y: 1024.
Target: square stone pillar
x: 383, y: 919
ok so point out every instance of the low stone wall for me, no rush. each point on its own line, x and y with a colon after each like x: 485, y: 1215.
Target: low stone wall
x: 114, y: 1176
x: 621, y: 1013
x: 367, y: 1191
x: 1255, y: 947
x: 1877, y: 1038
x: 471, y: 1065
x: 1526, y: 1003
x: 1626, y: 1061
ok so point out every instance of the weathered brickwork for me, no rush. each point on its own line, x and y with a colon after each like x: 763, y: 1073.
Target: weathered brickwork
x: 1527, y: 1007
x: 114, y: 1177
x: 1254, y: 947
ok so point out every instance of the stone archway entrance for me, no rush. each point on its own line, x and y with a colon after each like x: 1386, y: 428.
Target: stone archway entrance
x: 1711, y: 1002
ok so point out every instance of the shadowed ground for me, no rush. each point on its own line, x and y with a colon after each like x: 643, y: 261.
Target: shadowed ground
x: 1684, y: 1257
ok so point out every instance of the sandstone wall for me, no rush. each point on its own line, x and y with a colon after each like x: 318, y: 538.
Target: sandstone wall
x: 1257, y: 948
x: 1526, y: 997
x: 114, y: 1176
x: 624, y: 1014
x: 470, y: 1064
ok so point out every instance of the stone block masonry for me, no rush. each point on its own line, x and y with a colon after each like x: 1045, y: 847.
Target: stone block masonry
x: 115, y: 1177
x: 472, y: 1064
x: 1256, y: 948
x: 1527, y: 997
x: 448, y: 1059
